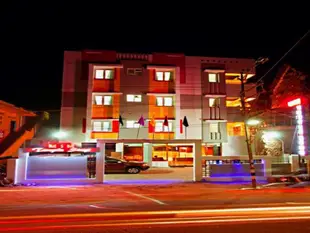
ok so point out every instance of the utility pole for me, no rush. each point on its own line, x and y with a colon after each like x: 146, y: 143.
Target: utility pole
x: 245, y: 118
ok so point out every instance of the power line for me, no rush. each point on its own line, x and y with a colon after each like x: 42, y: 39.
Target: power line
x: 301, y: 38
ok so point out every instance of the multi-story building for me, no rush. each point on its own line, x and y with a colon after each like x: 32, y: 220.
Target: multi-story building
x: 101, y: 86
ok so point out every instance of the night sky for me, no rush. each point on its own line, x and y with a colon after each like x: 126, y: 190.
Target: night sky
x: 34, y: 37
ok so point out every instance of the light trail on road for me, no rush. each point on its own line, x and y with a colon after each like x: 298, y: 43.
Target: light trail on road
x: 154, y: 218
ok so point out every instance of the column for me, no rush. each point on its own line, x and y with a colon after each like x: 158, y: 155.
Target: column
x: 197, y: 170
x: 267, y: 166
x: 294, y: 161
x: 147, y: 153
x: 21, y: 167
x: 100, y: 158
x: 119, y: 147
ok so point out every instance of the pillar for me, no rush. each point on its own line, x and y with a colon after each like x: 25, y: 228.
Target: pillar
x: 119, y: 147
x: 294, y: 161
x: 267, y: 166
x: 197, y: 170
x: 21, y: 167
x: 100, y: 162
x: 147, y: 153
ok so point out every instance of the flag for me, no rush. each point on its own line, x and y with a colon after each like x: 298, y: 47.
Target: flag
x: 166, y: 121
x: 185, y: 122
x: 120, y: 120
x: 141, y: 121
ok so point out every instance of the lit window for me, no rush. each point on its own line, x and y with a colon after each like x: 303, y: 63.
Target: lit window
x: 106, y: 126
x: 214, y: 128
x: 164, y: 101
x: 214, y: 102
x: 97, y: 126
x: 98, y: 100
x: 159, y: 126
x: 163, y: 76
x: 132, y: 124
x: 104, y: 74
x: 168, y: 101
x: 213, y: 78
x: 134, y: 98
x: 107, y: 100
x: 99, y: 74
x: 102, y: 126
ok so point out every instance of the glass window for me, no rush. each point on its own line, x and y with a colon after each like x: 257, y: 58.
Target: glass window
x: 108, y: 74
x: 132, y: 124
x: 98, y: 100
x: 214, y: 102
x: 159, y: 127
x: 213, y: 78
x: 159, y: 101
x: 163, y: 75
x: 104, y: 74
x: 168, y: 101
x: 97, y: 126
x: 106, y: 126
x: 99, y: 74
x: 107, y: 100
x: 159, y: 76
x: 134, y: 98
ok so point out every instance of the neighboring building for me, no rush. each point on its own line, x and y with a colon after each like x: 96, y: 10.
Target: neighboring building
x: 99, y: 86
x: 12, y: 119
x: 289, y: 84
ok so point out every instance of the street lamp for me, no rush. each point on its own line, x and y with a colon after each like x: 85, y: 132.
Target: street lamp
x: 60, y: 135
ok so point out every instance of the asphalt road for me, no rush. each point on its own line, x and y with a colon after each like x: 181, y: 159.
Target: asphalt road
x: 270, y: 227
x: 262, y: 219
x: 105, y: 198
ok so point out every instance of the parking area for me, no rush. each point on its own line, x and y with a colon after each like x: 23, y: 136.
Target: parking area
x: 153, y: 175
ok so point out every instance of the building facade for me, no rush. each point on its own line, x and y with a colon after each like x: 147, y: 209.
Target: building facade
x: 101, y: 86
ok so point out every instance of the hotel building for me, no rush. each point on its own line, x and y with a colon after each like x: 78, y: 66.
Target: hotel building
x: 100, y: 86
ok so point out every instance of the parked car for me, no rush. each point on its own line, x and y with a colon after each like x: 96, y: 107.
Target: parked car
x: 113, y: 165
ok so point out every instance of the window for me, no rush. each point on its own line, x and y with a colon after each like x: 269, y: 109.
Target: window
x: 164, y: 101
x: 98, y: 100
x: 102, y: 126
x: 134, y: 98
x: 107, y: 100
x: 163, y: 76
x: 103, y: 100
x: 159, y: 127
x: 214, y: 102
x: 134, y: 71
x: 104, y: 74
x: 214, y: 131
x: 132, y: 124
x: 213, y: 78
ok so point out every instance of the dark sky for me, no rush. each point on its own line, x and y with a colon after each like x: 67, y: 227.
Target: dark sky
x: 34, y: 36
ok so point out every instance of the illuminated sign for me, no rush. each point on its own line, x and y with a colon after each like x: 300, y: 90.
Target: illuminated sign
x: 61, y: 147
x: 294, y: 102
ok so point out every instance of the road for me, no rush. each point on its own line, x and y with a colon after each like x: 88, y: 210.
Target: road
x: 112, y: 198
x: 262, y: 219
x: 155, y: 208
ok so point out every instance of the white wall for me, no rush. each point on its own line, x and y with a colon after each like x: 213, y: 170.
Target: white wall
x: 235, y: 146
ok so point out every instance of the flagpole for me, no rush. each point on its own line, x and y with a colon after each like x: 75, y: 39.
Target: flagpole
x: 138, y: 131
x: 185, y: 132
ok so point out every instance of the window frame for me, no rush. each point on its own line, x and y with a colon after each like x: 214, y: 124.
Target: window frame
x: 163, y: 99
x: 134, y: 98
x: 102, y: 129
x: 216, y: 78
x: 164, y: 72
x: 104, y: 75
